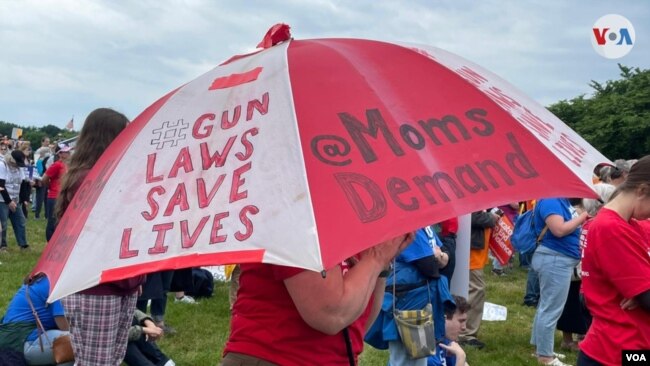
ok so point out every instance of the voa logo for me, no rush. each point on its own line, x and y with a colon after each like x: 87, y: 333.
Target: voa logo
x: 613, y: 36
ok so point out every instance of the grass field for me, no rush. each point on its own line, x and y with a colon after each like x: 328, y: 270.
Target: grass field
x: 203, y: 328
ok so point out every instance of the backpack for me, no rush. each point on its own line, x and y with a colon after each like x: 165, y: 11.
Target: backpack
x: 40, y: 166
x: 524, y: 236
x: 203, y: 282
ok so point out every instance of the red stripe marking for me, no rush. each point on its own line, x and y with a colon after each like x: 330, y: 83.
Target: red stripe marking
x: 235, y: 79
x: 193, y: 260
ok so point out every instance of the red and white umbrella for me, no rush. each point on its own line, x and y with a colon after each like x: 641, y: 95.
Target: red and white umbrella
x: 305, y: 153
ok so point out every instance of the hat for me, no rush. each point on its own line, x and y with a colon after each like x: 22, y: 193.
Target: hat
x: 63, y: 148
x: 19, y: 157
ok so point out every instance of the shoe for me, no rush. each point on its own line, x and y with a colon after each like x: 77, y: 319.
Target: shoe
x: 560, y: 356
x: 3, y: 249
x: 554, y: 362
x: 498, y: 272
x: 26, y: 247
x: 185, y: 300
x: 473, y: 343
x: 532, y: 304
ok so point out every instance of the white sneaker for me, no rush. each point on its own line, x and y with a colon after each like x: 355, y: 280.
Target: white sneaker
x: 185, y: 300
x: 554, y: 362
x: 170, y: 363
x: 558, y: 355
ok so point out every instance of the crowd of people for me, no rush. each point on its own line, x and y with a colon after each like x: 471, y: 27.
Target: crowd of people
x: 589, y: 277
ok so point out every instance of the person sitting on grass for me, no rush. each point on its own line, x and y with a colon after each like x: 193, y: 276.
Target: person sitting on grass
x: 141, y: 350
x: 449, y: 352
x: 18, y: 329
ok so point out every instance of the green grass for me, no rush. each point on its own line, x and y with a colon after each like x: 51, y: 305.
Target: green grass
x: 203, y: 328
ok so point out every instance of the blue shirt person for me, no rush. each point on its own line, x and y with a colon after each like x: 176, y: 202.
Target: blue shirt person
x: 417, y: 282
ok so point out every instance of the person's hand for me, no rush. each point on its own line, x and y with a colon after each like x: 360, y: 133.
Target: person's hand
x: 583, y: 217
x: 12, y: 206
x: 453, y: 348
x: 151, y: 330
x: 386, y: 251
x: 629, y: 304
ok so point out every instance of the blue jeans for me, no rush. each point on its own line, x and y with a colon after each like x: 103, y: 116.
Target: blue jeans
x: 532, y: 282
x: 17, y: 222
x: 33, y: 353
x: 554, y: 270
x: 399, y: 357
x: 39, y: 199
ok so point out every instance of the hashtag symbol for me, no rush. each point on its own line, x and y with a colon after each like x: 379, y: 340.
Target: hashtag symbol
x: 169, y: 134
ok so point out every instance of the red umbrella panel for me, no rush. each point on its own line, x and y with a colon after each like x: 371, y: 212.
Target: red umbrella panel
x: 305, y: 153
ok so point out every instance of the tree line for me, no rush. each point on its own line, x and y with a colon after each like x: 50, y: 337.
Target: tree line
x: 616, y: 118
x: 35, y: 134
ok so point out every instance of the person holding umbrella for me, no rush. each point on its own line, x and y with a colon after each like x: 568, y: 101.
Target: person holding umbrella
x: 291, y: 316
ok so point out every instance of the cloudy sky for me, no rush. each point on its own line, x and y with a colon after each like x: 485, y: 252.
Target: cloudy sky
x: 64, y: 58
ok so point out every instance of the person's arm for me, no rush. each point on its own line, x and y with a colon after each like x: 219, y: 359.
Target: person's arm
x: 45, y: 180
x: 442, y: 257
x: 560, y: 228
x: 4, y: 193
x: 151, y: 330
x: 61, y: 323
x: 377, y: 300
x: 332, y: 303
x: 455, y: 349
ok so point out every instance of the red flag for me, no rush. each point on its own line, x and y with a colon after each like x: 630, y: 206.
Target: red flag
x: 70, y: 125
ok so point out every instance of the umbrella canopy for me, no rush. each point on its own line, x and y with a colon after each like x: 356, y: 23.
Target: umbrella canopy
x: 305, y: 153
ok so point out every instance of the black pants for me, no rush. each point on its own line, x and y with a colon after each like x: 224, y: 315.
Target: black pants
x: 584, y: 360
x: 143, y: 353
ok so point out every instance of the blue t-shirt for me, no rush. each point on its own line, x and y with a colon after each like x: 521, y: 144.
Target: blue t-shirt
x: 19, y: 309
x: 441, y: 358
x: 568, y: 245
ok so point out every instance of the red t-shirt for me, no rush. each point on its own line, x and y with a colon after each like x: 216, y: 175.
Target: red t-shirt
x: 55, y: 173
x: 616, y: 266
x: 266, y: 324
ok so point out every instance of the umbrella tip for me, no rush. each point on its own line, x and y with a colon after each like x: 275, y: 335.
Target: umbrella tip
x: 276, y: 34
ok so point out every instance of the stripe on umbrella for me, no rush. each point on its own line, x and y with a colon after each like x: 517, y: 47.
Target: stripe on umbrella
x: 235, y: 79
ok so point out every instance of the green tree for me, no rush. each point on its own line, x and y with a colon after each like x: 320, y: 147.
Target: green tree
x: 616, y: 119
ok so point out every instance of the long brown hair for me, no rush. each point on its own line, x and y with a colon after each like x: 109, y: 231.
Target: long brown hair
x: 100, y: 129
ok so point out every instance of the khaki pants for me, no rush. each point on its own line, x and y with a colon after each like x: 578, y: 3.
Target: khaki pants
x: 476, y: 301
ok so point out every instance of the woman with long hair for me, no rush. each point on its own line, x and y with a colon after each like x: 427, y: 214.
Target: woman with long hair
x: 616, y: 272
x: 100, y: 316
